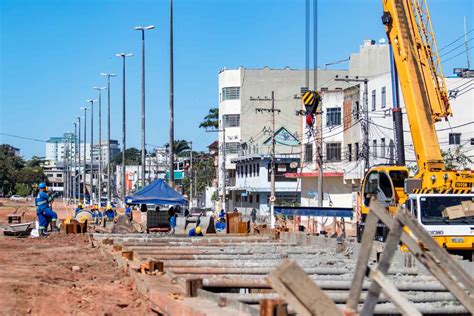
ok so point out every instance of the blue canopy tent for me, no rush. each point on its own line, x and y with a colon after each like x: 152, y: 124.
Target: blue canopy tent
x: 157, y: 192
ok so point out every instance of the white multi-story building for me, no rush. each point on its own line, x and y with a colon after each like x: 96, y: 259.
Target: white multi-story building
x: 242, y: 93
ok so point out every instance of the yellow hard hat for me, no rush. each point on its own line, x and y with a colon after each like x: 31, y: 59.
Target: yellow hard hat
x: 96, y: 206
x: 198, y: 230
x: 109, y: 207
x: 79, y: 205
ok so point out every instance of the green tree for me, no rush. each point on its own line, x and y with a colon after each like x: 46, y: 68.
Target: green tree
x: 203, y: 173
x: 456, y: 159
x: 9, y: 166
x: 132, y: 157
x: 180, y: 146
x: 211, y: 120
x: 22, y: 189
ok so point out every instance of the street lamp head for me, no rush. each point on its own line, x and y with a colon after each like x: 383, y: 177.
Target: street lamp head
x: 144, y: 28
x: 99, y: 88
x: 123, y: 55
x: 92, y: 101
x: 85, y: 109
x: 107, y: 75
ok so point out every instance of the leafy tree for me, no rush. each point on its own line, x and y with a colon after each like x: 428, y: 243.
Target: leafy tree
x: 211, y: 120
x: 30, y: 175
x: 132, y: 157
x: 203, y: 173
x: 9, y: 166
x: 22, y: 189
x: 456, y: 159
x: 35, y: 161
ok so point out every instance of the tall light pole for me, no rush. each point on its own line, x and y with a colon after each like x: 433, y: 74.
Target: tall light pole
x: 171, y: 167
x: 108, y: 75
x: 92, y: 197
x: 99, y: 191
x: 79, y: 159
x: 74, y: 161
x: 143, y: 29
x: 85, y: 151
x: 124, y: 123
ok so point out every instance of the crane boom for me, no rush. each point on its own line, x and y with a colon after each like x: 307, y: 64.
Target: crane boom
x: 409, y: 30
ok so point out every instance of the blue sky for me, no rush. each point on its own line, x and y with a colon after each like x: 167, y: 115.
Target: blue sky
x: 53, y: 51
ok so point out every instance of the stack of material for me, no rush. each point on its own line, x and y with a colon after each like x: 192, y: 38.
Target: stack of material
x: 465, y: 209
x: 227, y: 274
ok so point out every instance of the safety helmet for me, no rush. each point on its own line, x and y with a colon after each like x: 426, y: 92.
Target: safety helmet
x: 79, y: 205
x: 198, y: 230
x: 42, y: 185
x: 109, y: 207
x: 95, y: 206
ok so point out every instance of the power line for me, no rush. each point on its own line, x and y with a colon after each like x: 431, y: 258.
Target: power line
x: 458, y: 39
x: 23, y: 137
x: 455, y: 48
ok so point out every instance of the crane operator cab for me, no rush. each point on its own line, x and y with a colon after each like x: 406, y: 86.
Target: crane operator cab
x: 386, y: 184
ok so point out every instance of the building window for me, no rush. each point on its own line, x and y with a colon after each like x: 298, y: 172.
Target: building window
x: 257, y: 198
x: 382, y: 147
x: 384, y: 97
x: 374, y: 148
x: 472, y: 141
x: 303, y: 90
x: 250, y: 199
x: 349, y: 152
x: 454, y: 138
x: 308, y: 152
x: 356, y: 151
x: 258, y: 170
x: 333, y: 151
x: 232, y: 120
x: 230, y: 93
x: 232, y: 148
x: 333, y: 116
x: 246, y: 170
x: 374, y: 99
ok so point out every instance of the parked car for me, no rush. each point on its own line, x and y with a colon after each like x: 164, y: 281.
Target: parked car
x: 17, y: 198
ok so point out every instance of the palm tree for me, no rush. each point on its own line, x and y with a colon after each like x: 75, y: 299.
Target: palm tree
x: 179, y: 146
x: 211, y: 120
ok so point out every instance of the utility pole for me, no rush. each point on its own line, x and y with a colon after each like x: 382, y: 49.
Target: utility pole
x: 65, y: 172
x: 171, y: 169
x: 92, y: 197
x: 85, y: 160
x: 74, y: 178
x: 108, y: 75
x: 192, y: 178
x: 466, y: 43
x: 99, y: 191
x: 272, y: 110
x: 365, y: 120
x: 143, y: 29
x: 79, y: 160
x: 124, y: 124
x: 397, y: 113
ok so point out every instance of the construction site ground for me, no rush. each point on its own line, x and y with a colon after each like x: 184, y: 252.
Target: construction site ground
x: 37, y: 277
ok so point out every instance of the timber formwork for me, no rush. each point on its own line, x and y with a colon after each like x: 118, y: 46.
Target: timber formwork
x: 227, y: 274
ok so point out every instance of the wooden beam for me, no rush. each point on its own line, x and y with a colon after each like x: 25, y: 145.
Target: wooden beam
x: 362, y: 262
x: 294, y: 286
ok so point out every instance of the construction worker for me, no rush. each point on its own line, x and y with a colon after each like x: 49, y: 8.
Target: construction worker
x: 195, y: 232
x: 173, y: 223
x: 128, y: 212
x: 110, y: 213
x: 78, y: 209
x: 96, y: 214
x: 43, y: 210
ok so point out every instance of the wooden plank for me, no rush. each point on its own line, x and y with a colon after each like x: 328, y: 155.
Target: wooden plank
x: 362, y: 261
x: 294, y: 286
x: 273, y: 307
x: 396, y: 229
x: 405, y: 306
x: 427, y: 259
x: 439, y: 253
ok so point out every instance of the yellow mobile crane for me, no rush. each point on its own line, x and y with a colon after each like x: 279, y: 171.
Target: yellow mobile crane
x: 433, y: 188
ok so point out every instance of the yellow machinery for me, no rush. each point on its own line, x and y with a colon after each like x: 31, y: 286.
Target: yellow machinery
x: 433, y: 188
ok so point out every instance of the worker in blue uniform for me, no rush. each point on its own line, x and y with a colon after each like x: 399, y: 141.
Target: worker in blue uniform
x: 110, y: 213
x: 195, y: 232
x: 43, y: 210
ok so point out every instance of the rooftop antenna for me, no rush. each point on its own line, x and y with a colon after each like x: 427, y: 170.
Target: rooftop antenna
x: 466, y: 43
